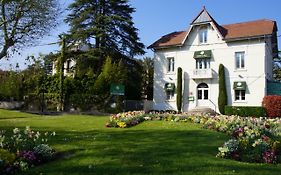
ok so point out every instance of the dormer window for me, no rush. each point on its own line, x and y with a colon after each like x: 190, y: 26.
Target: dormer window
x: 203, y: 35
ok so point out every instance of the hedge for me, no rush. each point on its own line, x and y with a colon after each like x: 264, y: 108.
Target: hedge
x: 272, y: 105
x: 245, y: 111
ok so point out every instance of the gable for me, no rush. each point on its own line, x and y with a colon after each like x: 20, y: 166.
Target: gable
x: 203, y: 17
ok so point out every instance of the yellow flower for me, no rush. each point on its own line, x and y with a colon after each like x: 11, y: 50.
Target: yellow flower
x: 121, y: 124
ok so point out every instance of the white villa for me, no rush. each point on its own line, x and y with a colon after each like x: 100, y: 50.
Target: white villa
x: 245, y: 49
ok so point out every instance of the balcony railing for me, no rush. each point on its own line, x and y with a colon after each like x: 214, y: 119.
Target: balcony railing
x: 202, y: 74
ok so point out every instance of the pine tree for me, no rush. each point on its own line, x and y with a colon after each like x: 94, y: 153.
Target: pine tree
x: 108, y: 23
x: 222, y: 99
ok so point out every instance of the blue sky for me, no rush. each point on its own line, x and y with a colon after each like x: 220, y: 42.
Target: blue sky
x: 155, y: 18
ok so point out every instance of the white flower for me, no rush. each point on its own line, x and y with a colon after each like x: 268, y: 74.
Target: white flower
x: 16, y: 130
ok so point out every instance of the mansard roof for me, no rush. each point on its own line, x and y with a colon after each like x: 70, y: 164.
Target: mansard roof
x: 237, y: 31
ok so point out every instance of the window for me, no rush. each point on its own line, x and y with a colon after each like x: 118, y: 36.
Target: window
x: 171, y: 64
x: 170, y: 95
x: 203, y: 35
x: 240, y: 60
x: 240, y: 95
x: 68, y: 62
x: 202, y: 63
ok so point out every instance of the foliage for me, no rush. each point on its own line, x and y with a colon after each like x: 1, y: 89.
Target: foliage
x: 179, y: 90
x: 245, y: 111
x: 277, y: 67
x: 222, y: 99
x: 25, y: 21
x: 11, y: 86
x: 109, y: 23
x: 147, y: 77
x: 45, y: 152
x: 272, y: 105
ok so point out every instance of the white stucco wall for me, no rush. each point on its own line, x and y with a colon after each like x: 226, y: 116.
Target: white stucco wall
x: 258, y: 66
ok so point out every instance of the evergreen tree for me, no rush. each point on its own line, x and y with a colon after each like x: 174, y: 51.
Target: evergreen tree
x: 222, y: 99
x: 106, y: 22
x: 179, y: 90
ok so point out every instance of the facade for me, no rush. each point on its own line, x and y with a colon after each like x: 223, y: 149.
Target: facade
x: 245, y: 49
x: 69, y: 64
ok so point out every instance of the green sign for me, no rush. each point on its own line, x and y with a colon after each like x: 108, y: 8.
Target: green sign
x: 202, y: 54
x: 117, y: 89
x: 240, y: 85
x: 191, y: 98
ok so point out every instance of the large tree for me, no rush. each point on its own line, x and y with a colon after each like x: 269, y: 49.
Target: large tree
x: 24, y: 21
x: 106, y: 23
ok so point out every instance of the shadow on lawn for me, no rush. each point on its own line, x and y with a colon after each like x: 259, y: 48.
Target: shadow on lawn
x: 145, y: 152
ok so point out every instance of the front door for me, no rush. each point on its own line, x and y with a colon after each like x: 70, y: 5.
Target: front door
x: 202, y: 94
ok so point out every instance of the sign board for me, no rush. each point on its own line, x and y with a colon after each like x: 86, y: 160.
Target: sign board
x: 117, y: 89
x: 191, y: 98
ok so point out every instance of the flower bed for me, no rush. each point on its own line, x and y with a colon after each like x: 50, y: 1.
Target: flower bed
x: 252, y: 139
x: 23, y: 149
x: 125, y: 120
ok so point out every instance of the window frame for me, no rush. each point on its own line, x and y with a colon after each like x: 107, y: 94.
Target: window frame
x: 239, y: 60
x: 203, y: 35
x: 170, y: 95
x: 241, y: 94
x: 171, y: 64
x: 205, y: 62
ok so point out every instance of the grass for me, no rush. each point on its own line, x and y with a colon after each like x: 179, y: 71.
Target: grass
x: 154, y: 147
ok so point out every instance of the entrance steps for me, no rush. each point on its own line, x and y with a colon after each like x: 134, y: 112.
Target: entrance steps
x: 202, y: 111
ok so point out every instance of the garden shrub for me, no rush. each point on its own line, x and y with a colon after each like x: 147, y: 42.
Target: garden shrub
x: 245, y: 111
x: 44, y: 151
x: 222, y: 99
x: 179, y: 90
x: 272, y: 105
x: 23, y: 149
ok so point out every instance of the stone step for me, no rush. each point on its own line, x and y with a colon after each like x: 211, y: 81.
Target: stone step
x: 202, y: 111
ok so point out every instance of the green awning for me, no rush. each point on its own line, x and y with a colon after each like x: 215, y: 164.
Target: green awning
x: 202, y: 54
x: 240, y: 85
x: 170, y: 87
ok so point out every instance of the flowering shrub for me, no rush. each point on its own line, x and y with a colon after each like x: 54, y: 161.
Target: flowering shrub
x: 252, y: 139
x: 45, y: 152
x: 272, y: 105
x: 23, y: 149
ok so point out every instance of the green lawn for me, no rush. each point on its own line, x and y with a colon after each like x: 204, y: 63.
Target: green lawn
x: 154, y: 147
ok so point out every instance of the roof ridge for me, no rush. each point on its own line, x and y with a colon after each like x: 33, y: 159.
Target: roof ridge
x: 264, y: 19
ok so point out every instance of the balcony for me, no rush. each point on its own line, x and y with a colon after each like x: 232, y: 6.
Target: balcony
x: 202, y: 74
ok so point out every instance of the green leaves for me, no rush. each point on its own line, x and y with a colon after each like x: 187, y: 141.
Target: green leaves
x: 222, y: 99
x: 108, y: 23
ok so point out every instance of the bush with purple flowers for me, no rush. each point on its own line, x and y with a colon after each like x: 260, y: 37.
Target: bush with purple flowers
x: 24, y: 149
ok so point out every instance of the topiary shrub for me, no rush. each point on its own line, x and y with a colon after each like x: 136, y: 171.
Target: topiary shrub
x: 179, y: 90
x: 222, y: 99
x: 245, y: 111
x: 272, y: 105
